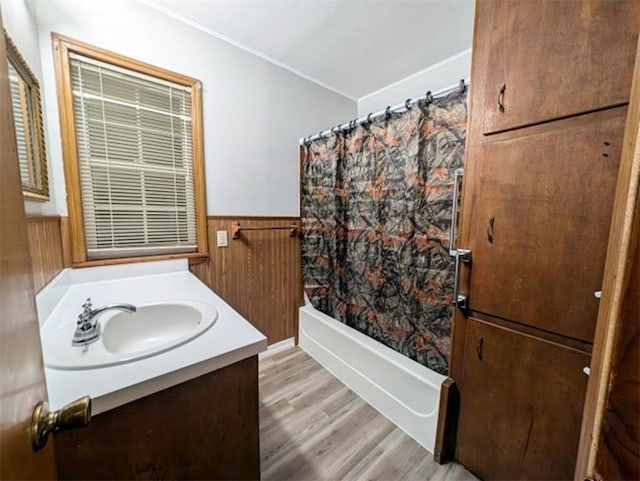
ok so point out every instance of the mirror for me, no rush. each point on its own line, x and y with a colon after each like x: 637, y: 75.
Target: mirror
x: 27, y: 115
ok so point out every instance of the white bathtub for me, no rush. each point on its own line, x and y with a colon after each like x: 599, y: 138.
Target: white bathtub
x: 404, y: 391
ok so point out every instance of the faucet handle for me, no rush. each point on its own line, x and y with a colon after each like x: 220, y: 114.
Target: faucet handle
x: 86, y: 312
x: 87, y: 305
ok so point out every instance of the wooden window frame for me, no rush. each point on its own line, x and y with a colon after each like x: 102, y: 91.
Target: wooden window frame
x: 62, y: 47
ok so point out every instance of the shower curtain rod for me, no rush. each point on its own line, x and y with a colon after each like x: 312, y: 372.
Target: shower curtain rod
x: 395, y: 108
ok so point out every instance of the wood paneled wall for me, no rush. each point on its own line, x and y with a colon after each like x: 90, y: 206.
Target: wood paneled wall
x: 259, y: 275
x: 46, y: 248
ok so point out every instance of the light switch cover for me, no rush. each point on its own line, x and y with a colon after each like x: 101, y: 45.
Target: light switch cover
x: 222, y: 239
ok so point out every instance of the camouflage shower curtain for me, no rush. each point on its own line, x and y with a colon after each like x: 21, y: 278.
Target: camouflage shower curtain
x: 376, y: 212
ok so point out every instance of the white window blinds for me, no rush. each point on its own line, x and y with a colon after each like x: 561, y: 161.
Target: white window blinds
x: 134, y: 141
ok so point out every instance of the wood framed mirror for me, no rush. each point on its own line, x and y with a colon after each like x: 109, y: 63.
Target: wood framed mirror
x: 27, y: 116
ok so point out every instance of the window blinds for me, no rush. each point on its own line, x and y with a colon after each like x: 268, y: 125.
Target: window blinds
x: 134, y: 141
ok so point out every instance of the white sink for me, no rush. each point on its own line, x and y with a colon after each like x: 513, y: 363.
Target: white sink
x: 154, y: 328
x: 149, y: 327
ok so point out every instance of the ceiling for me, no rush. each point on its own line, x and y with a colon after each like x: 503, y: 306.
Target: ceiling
x: 354, y: 47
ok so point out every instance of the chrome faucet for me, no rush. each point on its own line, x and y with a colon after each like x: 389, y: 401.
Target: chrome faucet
x: 88, y: 328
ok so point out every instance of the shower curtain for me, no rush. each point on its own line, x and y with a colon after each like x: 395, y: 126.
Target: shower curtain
x: 376, y: 212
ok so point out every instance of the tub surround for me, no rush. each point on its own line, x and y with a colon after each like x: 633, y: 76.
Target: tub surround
x: 231, y: 338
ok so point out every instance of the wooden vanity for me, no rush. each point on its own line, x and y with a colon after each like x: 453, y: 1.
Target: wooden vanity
x: 204, y: 428
x: 187, y: 411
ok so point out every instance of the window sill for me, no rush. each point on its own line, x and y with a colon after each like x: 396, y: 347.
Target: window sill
x: 194, y: 258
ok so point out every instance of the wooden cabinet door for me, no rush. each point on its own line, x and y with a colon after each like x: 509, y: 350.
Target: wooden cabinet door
x: 521, y: 401
x: 557, y: 58
x: 539, y: 224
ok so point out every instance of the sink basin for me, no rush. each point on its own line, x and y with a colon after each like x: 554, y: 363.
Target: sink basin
x: 154, y: 328
x: 149, y: 327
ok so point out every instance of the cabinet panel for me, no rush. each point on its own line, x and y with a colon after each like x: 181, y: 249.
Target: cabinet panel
x: 539, y: 225
x: 521, y: 401
x: 205, y: 428
x: 557, y: 58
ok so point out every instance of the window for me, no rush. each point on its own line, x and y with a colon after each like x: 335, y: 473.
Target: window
x: 133, y: 156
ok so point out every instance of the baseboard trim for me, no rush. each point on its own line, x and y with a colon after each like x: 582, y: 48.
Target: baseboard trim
x: 277, y: 347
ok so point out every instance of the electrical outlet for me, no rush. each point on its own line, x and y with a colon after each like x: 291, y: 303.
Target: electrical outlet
x: 222, y: 238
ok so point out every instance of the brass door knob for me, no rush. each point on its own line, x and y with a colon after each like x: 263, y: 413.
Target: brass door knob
x: 43, y: 422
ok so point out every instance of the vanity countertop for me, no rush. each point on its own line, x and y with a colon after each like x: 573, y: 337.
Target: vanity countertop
x: 231, y: 338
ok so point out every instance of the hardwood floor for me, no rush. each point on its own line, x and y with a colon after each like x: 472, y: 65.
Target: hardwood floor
x: 312, y: 427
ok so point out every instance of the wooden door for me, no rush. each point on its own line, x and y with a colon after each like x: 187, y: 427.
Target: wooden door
x: 617, y: 454
x: 542, y: 51
x: 540, y: 224
x: 21, y: 370
x: 521, y: 404
x: 610, y: 437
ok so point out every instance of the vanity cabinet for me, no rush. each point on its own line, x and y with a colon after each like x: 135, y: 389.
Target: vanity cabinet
x: 204, y: 428
x: 556, y: 59
x: 521, y: 404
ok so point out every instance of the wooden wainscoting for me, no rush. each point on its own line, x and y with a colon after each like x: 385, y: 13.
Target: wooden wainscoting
x: 45, y: 248
x: 257, y: 274
x: 202, y: 271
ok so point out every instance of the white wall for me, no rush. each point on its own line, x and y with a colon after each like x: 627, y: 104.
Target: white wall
x: 436, y: 77
x: 254, y: 111
x: 19, y: 21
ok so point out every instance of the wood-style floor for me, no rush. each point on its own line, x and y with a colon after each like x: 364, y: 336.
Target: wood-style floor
x: 312, y: 427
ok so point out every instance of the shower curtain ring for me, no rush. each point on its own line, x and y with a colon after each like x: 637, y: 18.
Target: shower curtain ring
x: 429, y: 97
x: 407, y: 104
x: 463, y: 86
x: 387, y: 112
x: 369, y: 121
